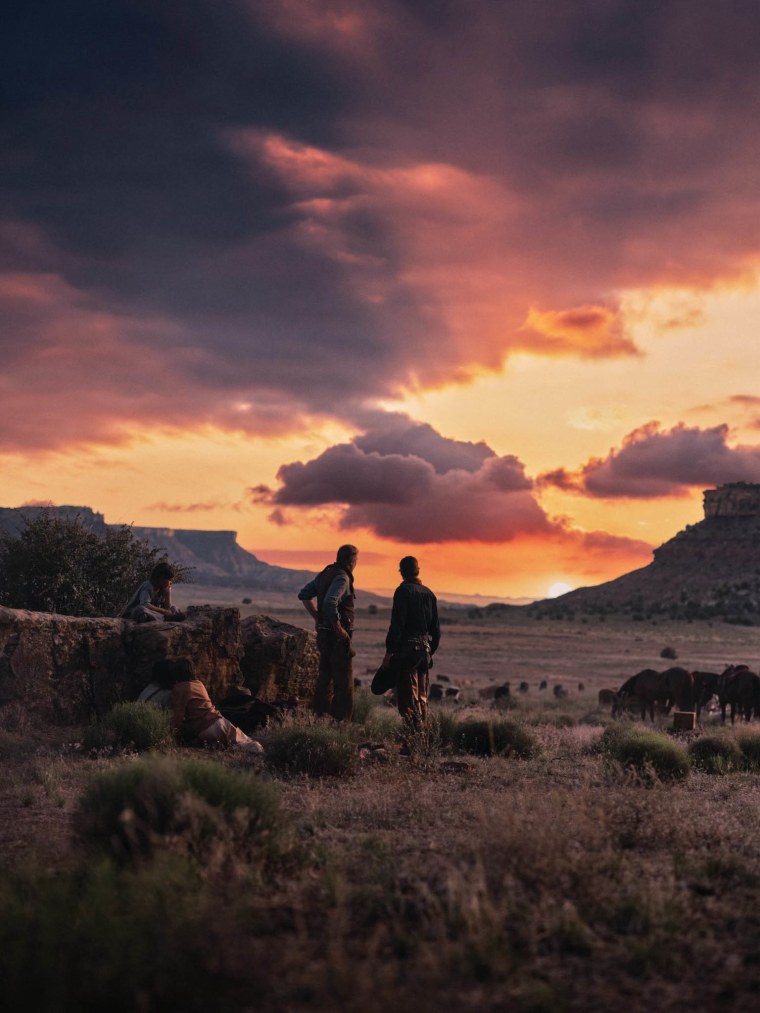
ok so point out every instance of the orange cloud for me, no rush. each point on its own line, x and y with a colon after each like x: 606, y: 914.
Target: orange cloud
x: 589, y: 331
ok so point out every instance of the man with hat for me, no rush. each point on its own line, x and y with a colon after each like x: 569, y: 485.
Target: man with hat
x: 333, y: 616
x: 412, y: 640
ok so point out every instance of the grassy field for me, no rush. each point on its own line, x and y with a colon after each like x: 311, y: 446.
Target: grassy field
x: 568, y: 879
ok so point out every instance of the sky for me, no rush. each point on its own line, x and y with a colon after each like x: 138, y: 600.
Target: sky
x: 474, y: 281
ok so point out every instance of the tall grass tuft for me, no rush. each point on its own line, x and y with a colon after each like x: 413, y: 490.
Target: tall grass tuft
x: 648, y: 753
x: 133, y: 811
x: 110, y: 938
x: 130, y: 726
x: 317, y: 750
x: 716, y: 754
x: 492, y: 738
x: 749, y: 743
x: 364, y: 706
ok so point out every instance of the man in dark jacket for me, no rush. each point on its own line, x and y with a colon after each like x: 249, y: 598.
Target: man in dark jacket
x: 333, y: 616
x: 413, y: 637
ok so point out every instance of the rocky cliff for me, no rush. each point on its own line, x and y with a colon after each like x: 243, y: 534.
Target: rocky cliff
x: 709, y: 570
x: 64, y: 670
x: 215, y: 556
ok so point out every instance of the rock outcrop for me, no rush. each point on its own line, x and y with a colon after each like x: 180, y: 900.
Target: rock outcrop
x: 65, y: 670
x: 278, y: 660
x: 709, y: 570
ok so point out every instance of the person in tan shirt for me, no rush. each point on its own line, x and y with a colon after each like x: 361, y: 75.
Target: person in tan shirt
x: 195, y: 716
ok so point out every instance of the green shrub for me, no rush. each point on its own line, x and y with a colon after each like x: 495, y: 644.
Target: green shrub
x: 383, y: 723
x: 110, y: 938
x: 646, y: 752
x: 317, y: 750
x: 136, y: 726
x: 134, y: 810
x: 716, y: 754
x: 60, y: 564
x: 364, y: 704
x: 749, y: 743
x: 493, y: 738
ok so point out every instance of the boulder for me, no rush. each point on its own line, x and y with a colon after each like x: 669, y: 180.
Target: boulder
x: 278, y: 660
x: 65, y: 670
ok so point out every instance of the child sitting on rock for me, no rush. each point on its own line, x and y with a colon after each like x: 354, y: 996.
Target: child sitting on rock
x: 152, y: 601
x: 195, y: 717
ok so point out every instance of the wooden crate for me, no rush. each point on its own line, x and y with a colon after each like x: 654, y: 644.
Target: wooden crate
x: 684, y: 721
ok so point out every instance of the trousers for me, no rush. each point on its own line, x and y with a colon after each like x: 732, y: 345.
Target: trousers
x: 334, y: 693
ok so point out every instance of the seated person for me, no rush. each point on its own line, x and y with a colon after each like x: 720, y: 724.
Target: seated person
x: 159, y: 689
x: 195, y: 717
x: 152, y: 601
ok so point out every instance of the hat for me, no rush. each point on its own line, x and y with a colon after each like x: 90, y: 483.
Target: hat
x: 385, y: 678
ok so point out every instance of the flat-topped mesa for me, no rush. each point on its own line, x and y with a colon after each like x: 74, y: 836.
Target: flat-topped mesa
x: 735, y: 499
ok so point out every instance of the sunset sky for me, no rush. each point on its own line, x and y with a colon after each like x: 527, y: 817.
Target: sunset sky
x: 474, y: 280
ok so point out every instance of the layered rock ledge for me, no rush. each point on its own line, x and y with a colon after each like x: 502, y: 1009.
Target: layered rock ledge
x: 65, y: 670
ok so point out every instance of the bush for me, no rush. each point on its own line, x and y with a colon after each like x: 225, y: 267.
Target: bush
x: 58, y: 564
x: 669, y: 652
x: 140, y: 807
x: 109, y: 939
x: 493, y: 738
x: 749, y: 743
x: 645, y: 752
x: 716, y: 754
x: 364, y: 704
x: 317, y: 750
x: 130, y: 726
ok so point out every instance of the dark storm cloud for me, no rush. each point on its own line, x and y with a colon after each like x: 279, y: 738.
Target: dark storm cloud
x: 653, y: 463
x: 409, y: 483
x: 282, y: 204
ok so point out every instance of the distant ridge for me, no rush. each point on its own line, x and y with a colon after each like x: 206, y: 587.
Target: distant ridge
x: 215, y: 555
x: 709, y: 570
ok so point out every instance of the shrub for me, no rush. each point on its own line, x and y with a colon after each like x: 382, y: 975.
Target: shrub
x: 669, y: 652
x: 58, y: 564
x: 109, y: 938
x: 646, y: 752
x: 317, y: 750
x: 716, y: 754
x: 135, y: 809
x: 136, y: 726
x: 749, y: 743
x: 364, y: 704
x: 493, y: 738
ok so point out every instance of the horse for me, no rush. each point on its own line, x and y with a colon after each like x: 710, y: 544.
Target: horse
x: 679, y: 685
x: 645, y: 688
x: 737, y: 688
x: 705, y: 686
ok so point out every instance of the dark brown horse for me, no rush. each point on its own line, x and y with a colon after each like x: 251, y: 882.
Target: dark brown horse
x: 705, y: 687
x: 737, y: 689
x: 679, y: 685
x: 644, y: 689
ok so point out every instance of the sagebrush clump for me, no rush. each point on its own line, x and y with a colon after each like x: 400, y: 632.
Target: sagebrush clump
x: 716, y: 754
x: 491, y: 738
x: 136, y: 809
x: 646, y: 752
x: 135, y: 726
x: 317, y: 750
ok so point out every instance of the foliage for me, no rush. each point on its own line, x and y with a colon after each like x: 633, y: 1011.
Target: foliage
x: 109, y: 938
x: 648, y: 753
x: 135, y: 809
x: 749, y: 743
x: 364, y: 704
x: 716, y: 754
x: 130, y: 726
x: 669, y: 652
x: 317, y: 750
x: 58, y: 564
x: 492, y: 738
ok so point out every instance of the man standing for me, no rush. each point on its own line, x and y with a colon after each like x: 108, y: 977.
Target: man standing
x: 333, y: 589
x: 413, y: 637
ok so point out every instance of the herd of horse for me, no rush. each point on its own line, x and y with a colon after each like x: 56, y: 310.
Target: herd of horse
x: 736, y: 688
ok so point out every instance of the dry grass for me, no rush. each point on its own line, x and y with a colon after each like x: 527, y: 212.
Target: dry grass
x: 436, y: 882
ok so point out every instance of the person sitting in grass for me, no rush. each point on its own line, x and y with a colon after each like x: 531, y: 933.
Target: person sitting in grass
x: 159, y: 689
x: 196, y: 718
x: 152, y: 601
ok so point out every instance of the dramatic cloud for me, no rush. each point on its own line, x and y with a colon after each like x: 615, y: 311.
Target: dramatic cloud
x: 239, y: 214
x: 653, y: 463
x: 409, y: 483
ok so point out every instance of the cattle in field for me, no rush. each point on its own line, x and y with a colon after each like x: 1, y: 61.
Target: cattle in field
x: 606, y: 697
